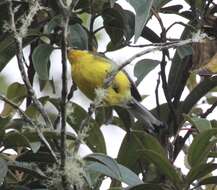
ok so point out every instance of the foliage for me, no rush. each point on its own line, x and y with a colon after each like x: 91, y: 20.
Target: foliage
x: 37, y: 162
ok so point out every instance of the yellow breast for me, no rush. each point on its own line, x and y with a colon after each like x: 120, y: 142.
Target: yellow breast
x: 89, y: 72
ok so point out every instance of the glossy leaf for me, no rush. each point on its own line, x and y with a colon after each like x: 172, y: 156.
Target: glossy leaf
x: 200, y: 147
x: 200, y: 171
x: 77, y: 37
x: 110, y: 163
x: 208, y: 180
x: 126, y: 175
x: 143, y: 67
x: 40, y: 58
x: 201, y: 124
x: 129, y: 153
x: 150, y: 35
x: 142, y: 9
x: 16, y: 93
x: 164, y: 166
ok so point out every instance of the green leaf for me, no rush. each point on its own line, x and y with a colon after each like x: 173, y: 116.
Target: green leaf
x: 129, y: 154
x: 40, y: 58
x: 142, y: 9
x: 119, y: 25
x: 201, y: 124
x: 146, y: 186
x: 143, y: 67
x: 3, y: 171
x: 31, y: 169
x: 110, y: 163
x: 164, y: 166
x: 150, y: 35
x: 200, y: 147
x: 14, y: 139
x: 77, y: 37
x: 173, y: 9
x: 200, y: 171
x: 95, y: 139
x: 16, y: 93
x: 126, y: 175
x: 208, y: 180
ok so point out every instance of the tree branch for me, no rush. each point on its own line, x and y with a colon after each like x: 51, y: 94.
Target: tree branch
x: 20, y: 58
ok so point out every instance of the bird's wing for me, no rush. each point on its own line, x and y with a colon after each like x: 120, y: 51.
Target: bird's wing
x: 134, y: 91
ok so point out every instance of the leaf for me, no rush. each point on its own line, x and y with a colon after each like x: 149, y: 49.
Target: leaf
x: 208, y: 180
x: 103, y: 115
x: 119, y: 24
x: 127, y: 176
x: 95, y: 139
x: 31, y: 169
x: 40, y: 58
x: 129, y: 154
x: 14, y: 139
x: 173, y: 9
x: 150, y: 35
x: 142, y: 9
x: 77, y: 37
x: 201, y: 124
x: 143, y: 67
x: 3, y: 171
x: 16, y: 93
x: 146, y: 186
x: 163, y: 165
x: 110, y: 163
x: 200, y: 147
x: 200, y: 171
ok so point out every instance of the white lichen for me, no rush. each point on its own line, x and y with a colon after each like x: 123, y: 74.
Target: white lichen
x: 74, y: 170
x: 100, y: 93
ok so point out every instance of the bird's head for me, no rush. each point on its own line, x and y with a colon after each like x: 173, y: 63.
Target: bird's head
x: 75, y: 55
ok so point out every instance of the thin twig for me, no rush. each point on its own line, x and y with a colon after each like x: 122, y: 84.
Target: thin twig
x: 20, y: 58
x: 209, y: 110
x: 28, y: 120
x: 157, y: 95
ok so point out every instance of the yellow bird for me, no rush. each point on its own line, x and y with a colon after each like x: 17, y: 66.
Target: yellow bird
x: 89, y: 71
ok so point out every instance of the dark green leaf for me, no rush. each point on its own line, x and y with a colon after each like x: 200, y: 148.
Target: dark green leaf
x: 129, y: 154
x: 119, y: 24
x: 142, y: 9
x: 103, y: 115
x: 16, y: 93
x: 40, y: 58
x: 200, y: 147
x: 201, y: 124
x: 95, y: 139
x: 14, y: 139
x: 77, y: 37
x: 171, y: 9
x: 164, y: 166
x: 3, y: 170
x: 147, y: 186
x: 143, y: 67
x: 150, y: 35
x: 31, y: 169
x: 200, y: 171
x: 208, y: 180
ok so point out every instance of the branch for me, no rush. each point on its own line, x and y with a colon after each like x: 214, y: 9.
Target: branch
x: 198, y: 37
x: 28, y: 120
x: 209, y: 110
x: 20, y: 58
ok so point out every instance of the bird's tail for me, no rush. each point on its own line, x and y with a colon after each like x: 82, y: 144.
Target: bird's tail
x: 143, y: 114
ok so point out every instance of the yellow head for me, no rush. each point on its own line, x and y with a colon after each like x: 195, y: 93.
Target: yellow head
x: 78, y: 55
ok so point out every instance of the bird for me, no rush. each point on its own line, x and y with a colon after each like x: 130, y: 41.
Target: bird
x: 89, y: 70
